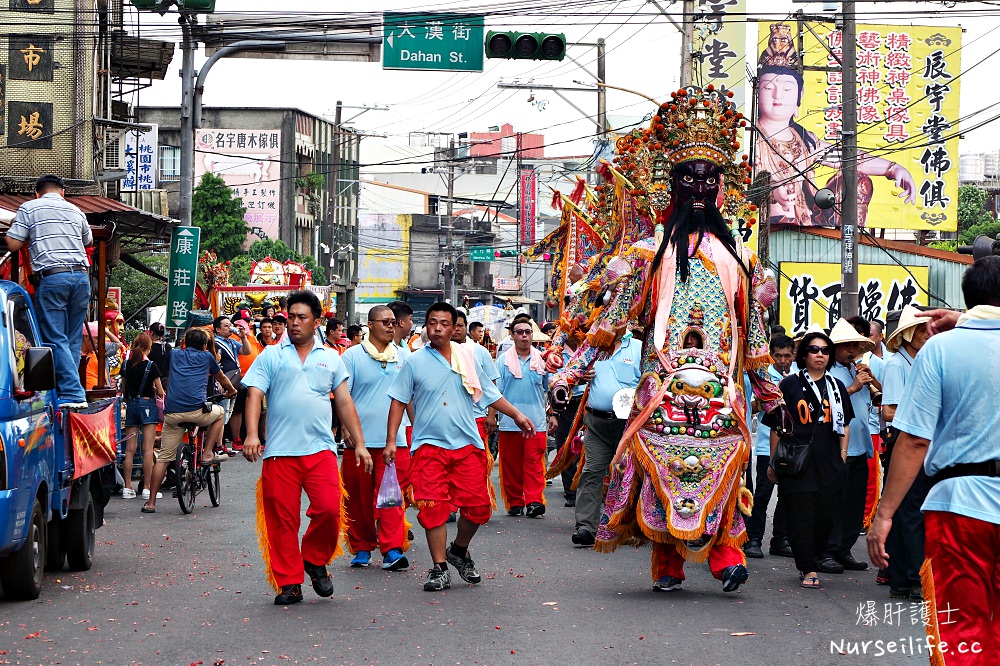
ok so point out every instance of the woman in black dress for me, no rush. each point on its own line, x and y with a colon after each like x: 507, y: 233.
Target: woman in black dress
x: 819, y: 410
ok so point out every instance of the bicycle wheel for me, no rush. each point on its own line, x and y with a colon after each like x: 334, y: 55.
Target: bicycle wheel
x: 214, y: 487
x: 186, y: 482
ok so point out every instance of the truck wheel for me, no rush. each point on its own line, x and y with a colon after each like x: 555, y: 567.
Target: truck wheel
x: 21, y: 573
x: 80, y: 535
x: 55, y: 555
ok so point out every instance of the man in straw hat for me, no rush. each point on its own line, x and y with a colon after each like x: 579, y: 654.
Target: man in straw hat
x: 948, y: 426
x: 905, y: 542
x: 850, y: 340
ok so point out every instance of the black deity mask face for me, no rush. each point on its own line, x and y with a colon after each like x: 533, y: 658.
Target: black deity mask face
x: 696, y: 181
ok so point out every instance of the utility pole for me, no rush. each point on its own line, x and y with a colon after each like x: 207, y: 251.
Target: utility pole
x: 449, y: 282
x: 333, y: 242
x: 602, y: 93
x: 187, y: 118
x: 687, y: 44
x: 849, y: 203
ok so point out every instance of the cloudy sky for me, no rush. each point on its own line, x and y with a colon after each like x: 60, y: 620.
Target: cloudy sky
x: 642, y: 54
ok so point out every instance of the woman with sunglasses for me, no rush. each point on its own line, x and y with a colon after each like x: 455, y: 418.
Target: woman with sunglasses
x: 818, y: 411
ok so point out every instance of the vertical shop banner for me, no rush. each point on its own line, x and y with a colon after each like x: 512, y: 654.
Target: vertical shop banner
x: 140, y: 160
x: 810, y: 293
x: 528, y: 217
x: 908, y: 111
x: 249, y: 161
x: 721, y: 47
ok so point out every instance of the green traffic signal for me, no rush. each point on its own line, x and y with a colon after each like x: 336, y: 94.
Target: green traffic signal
x: 525, y: 45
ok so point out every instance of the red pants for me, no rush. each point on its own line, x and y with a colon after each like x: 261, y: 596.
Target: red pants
x: 871, y: 497
x: 368, y: 527
x: 443, y: 478
x: 522, y: 469
x: 964, y: 555
x: 282, y: 481
x: 668, y: 562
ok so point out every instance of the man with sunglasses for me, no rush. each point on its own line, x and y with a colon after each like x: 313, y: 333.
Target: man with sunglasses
x: 372, y: 367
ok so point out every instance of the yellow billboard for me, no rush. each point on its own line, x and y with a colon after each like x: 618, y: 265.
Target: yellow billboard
x: 383, y: 256
x: 810, y: 293
x: 908, y: 111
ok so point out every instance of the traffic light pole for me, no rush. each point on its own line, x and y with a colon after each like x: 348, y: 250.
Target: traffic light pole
x: 450, y: 256
x: 849, y: 204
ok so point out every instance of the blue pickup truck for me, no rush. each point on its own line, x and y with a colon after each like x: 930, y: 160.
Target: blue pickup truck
x: 49, y: 508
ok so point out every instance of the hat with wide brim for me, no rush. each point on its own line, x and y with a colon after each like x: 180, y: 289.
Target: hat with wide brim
x: 908, y: 320
x: 843, y: 333
x: 536, y: 333
x: 813, y: 328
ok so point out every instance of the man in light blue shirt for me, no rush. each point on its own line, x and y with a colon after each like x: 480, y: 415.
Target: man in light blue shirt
x: 604, y: 431
x: 782, y: 352
x: 850, y: 338
x: 372, y: 366
x: 448, y: 464
x: 948, y: 423
x: 297, y: 375
x: 524, y: 382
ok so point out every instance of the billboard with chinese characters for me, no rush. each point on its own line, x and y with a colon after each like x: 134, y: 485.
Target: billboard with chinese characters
x: 528, y: 206
x: 250, y: 163
x: 139, y: 160
x: 721, y: 48
x: 810, y: 293
x: 908, y: 111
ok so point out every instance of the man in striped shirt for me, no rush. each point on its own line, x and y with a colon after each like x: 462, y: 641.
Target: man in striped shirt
x: 56, y: 232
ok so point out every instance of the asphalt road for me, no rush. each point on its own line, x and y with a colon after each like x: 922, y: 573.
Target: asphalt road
x: 172, y: 589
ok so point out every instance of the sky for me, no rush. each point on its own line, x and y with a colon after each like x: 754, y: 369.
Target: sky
x: 643, y: 54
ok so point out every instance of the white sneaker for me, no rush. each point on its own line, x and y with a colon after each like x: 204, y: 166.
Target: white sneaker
x: 145, y: 494
x: 128, y: 493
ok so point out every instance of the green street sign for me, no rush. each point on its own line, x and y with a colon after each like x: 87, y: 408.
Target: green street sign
x: 183, y: 274
x: 438, y: 42
x: 481, y: 253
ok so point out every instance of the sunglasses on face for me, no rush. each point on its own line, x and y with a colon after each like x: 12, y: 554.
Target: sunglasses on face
x: 523, y: 331
x: 385, y: 322
x: 816, y: 349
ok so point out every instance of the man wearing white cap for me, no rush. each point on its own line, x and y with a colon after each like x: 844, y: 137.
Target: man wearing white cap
x: 849, y: 343
x: 905, y: 543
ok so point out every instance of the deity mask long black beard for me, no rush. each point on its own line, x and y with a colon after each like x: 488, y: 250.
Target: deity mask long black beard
x: 689, y: 219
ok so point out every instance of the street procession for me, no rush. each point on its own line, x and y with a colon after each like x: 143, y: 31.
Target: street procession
x: 324, y: 346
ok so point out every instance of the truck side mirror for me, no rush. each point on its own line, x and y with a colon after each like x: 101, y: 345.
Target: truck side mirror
x: 39, y: 369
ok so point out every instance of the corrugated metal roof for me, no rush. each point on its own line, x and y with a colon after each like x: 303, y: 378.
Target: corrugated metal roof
x: 89, y: 204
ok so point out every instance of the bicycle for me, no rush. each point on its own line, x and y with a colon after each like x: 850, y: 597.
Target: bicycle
x: 191, y: 476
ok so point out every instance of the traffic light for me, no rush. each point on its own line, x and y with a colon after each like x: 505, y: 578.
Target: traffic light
x: 525, y: 45
x: 506, y: 253
x: 199, y: 6
x: 152, y: 5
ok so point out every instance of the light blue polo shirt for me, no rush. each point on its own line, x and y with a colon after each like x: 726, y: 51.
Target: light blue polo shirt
x: 895, y: 374
x: 369, y: 384
x: 860, y: 442
x: 442, y: 408
x: 611, y: 375
x: 950, y: 400
x: 528, y: 393
x: 299, y: 411
x: 486, y: 366
x: 402, y: 350
x: 763, y: 444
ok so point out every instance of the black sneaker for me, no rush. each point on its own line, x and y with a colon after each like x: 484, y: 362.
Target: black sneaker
x: 583, y: 537
x: 290, y: 594
x: 465, y: 566
x: 515, y: 511
x: 667, y: 584
x: 781, y: 548
x: 851, y: 564
x: 437, y: 580
x: 535, y: 510
x: 320, y: 578
x: 752, y: 549
x: 733, y: 577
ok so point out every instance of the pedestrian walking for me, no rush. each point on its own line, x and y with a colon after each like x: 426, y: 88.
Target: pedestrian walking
x: 140, y: 388
x: 297, y: 376
x: 448, y: 465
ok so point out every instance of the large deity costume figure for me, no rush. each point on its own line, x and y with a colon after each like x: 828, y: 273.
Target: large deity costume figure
x: 697, y: 297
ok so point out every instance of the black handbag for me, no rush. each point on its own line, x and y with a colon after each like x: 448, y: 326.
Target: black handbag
x: 791, y: 457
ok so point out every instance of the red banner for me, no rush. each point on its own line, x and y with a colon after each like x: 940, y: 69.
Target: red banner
x: 93, y: 438
x: 529, y: 206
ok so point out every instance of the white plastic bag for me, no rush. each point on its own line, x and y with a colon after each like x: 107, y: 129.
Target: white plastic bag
x: 389, y: 492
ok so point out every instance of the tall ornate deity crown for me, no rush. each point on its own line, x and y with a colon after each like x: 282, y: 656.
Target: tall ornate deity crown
x: 696, y: 124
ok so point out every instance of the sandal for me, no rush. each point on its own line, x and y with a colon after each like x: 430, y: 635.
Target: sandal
x: 809, y: 582
x: 148, y: 509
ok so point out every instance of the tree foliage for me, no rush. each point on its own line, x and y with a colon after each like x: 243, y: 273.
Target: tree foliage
x: 973, y: 217
x: 219, y: 213
x: 137, y: 287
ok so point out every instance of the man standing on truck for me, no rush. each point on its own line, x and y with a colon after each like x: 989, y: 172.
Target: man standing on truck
x: 190, y: 369
x: 56, y: 233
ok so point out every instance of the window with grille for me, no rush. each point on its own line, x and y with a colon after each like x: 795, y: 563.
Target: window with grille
x: 170, y: 163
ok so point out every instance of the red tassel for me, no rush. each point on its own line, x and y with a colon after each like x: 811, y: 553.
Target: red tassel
x: 200, y: 295
x: 604, y: 171
x: 577, y: 195
x: 557, y: 203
